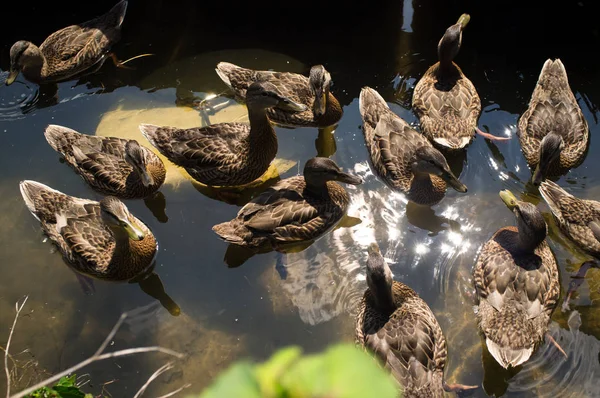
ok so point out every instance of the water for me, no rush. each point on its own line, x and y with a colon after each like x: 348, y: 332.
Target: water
x: 234, y: 307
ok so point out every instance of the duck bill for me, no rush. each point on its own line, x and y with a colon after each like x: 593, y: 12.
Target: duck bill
x: 539, y: 175
x: 463, y: 20
x: 133, y: 231
x: 12, y: 76
x: 508, y: 198
x: 454, y: 182
x: 320, y: 102
x: 349, y: 178
x: 147, y: 179
x: 288, y: 104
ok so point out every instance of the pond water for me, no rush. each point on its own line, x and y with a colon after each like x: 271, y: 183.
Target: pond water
x: 231, y: 307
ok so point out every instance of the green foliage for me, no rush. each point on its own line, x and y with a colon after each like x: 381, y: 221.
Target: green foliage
x: 342, y: 371
x: 65, y: 388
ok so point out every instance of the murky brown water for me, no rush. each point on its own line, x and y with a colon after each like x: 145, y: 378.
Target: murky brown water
x: 233, y: 307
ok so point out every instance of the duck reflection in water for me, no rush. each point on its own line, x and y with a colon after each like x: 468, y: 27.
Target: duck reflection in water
x: 294, y: 211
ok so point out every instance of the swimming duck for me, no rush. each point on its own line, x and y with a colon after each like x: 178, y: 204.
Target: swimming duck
x: 398, y: 327
x: 322, y: 108
x: 225, y: 154
x: 110, y: 165
x: 69, y: 52
x: 445, y: 100
x: 517, y: 285
x: 404, y: 159
x: 294, y: 210
x: 553, y: 132
x: 97, y: 239
x: 579, y: 219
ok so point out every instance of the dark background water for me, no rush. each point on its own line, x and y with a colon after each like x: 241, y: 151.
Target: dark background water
x: 306, y: 298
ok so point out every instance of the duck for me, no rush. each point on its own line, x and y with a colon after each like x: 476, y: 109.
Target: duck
x: 553, y: 132
x: 101, y: 240
x: 403, y: 158
x: 110, y: 165
x: 69, y: 52
x: 395, y: 325
x: 293, y: 211
x: 445, y: 100
x: 517, y: 285
x: 225, y: 154
x: 323, y: 109
x: 578, y: 219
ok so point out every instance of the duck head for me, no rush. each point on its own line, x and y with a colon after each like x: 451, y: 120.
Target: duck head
x: 530, y: 222
x: 429, y: 160
x: 319, y: 170
x: 449, y: 44
x: 116, y: 215
x: 550, y: 148
x: 136, y: 157
x: 24, y: 55
x: 320, y: 83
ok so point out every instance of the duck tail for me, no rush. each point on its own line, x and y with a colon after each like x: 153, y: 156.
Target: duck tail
x: 32, y: 191
x: 225, y: 70
x: 553, y: 76
x: 371, y: 105
x: 116, y: 15
x: 150, y: 131
x: 552, y: 192
x: 61, y: 138
x: 231, y: 232
x: 507, y: 356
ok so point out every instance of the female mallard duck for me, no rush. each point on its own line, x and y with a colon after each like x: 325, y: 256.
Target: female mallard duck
x: 395, y: 324
x: 69, y: 52
x: 553, y: 132
x: 98, y: 239
x: 402, y: 157
x: 517, y: 285
x: 295, y: 210
x: 322, y: 108
x: 225, y: 154
x: 110, y: 165
x: 579, y: 219
x: 445, y: 100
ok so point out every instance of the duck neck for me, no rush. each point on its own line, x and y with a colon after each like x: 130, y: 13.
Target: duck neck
x: 530, y: 239
x: 262, y: 133
x: 317, y: 187
x: 382, y: 294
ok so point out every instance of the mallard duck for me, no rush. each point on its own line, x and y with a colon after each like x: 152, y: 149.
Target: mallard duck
x: 69, y: 52
x: 578, y: 219
x: 553, y: 132
x: 110, y: 165
x: 225, y: 154
x: 445, y: 100
x: 295, y: 210
x: 98, y: 239
x: 323, y: 109
x: 517, y: 285
x: 398, y: 327
x: 404, y: 159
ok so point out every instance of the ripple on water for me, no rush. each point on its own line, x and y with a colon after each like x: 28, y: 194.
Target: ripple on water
x: 17, y: 99
x: 549, y: 374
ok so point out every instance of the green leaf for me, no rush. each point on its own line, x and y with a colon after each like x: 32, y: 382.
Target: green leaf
x: 67, y: 381
x: 237, y: 381
x: 268, y: 373
x: 68, y: 392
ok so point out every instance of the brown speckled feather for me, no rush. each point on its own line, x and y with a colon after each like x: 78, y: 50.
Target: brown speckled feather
x: 573, y: 216
x: 286, y: 213
x: 553, y: 108
x: 392, y: 150
x: 76, y: 48
x: 101, y: 163
x: 408, y: 342
x: 86, y: 243
x: 223, y: 154
x: 517, y: 292
x: 448, y: 108
x: 291, y: 85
